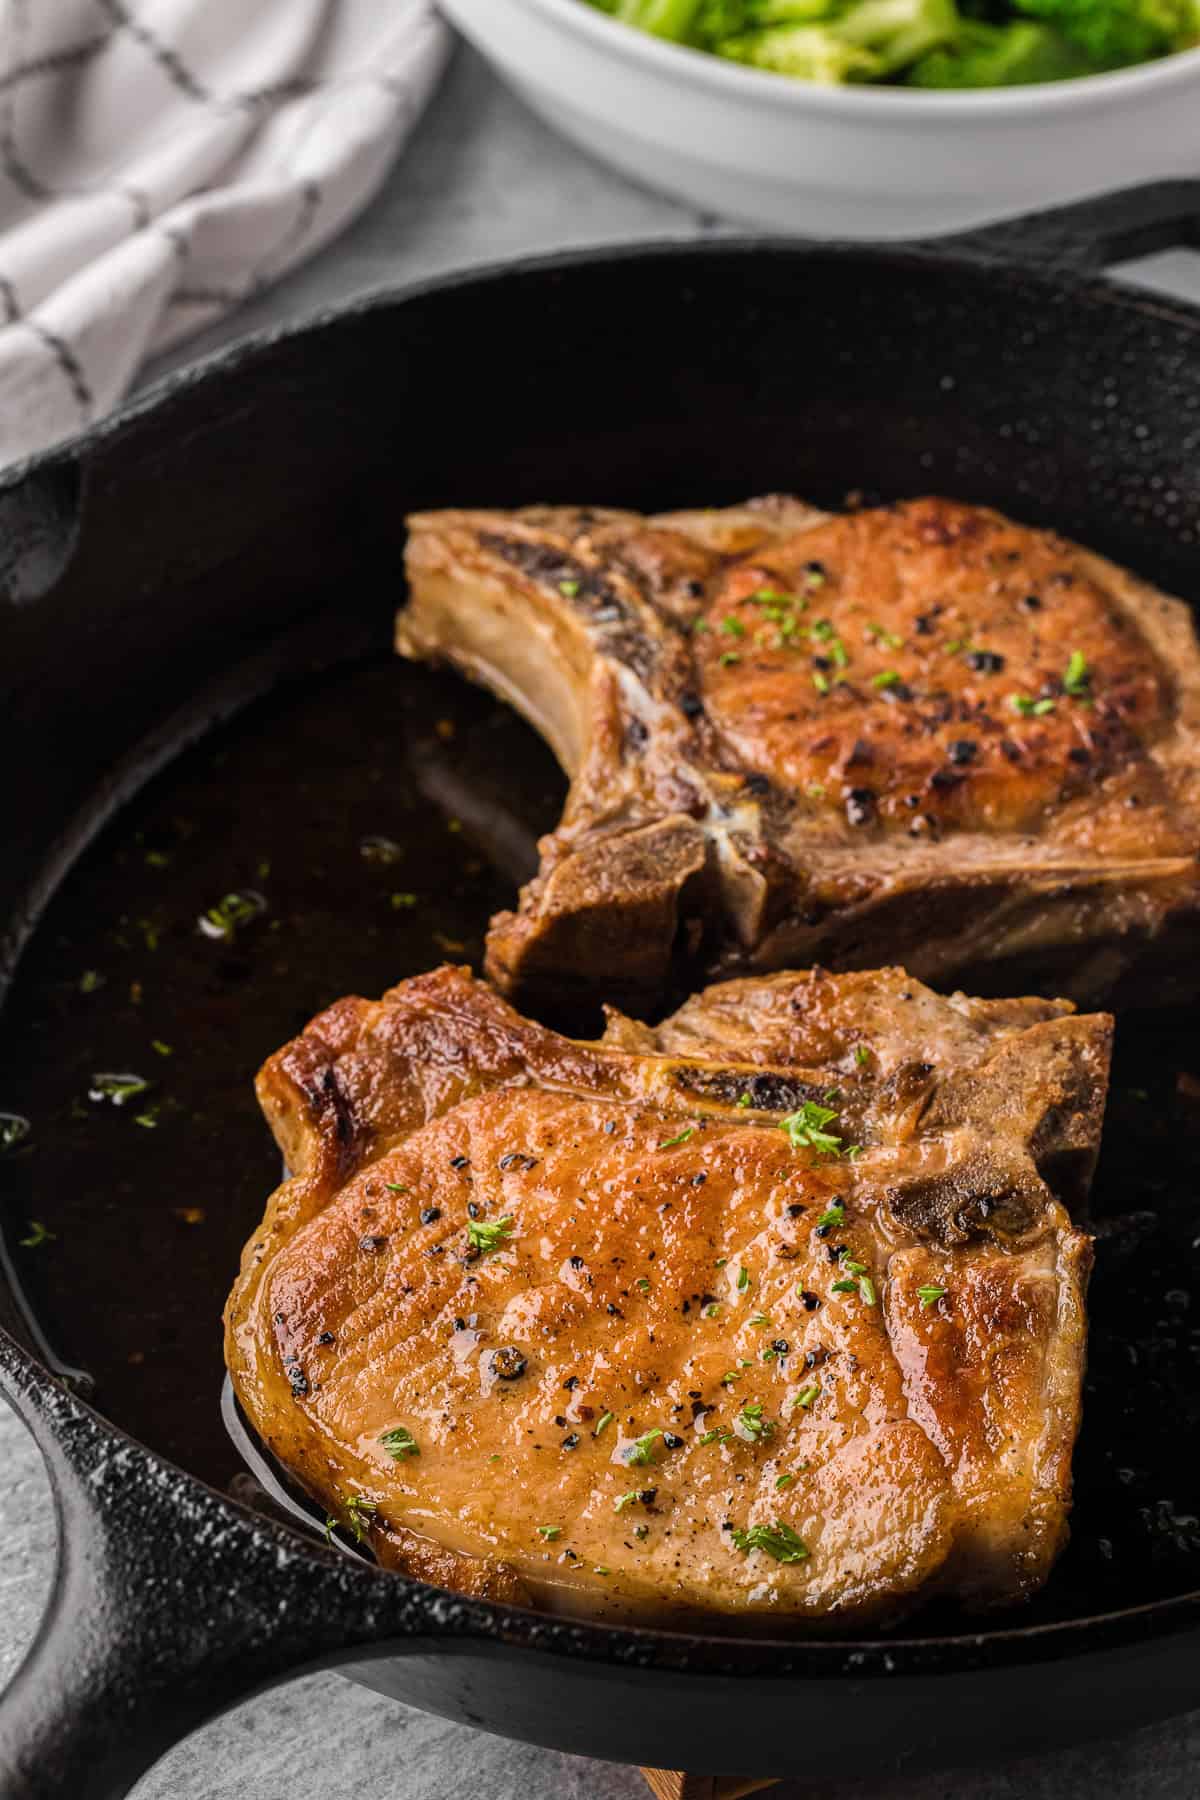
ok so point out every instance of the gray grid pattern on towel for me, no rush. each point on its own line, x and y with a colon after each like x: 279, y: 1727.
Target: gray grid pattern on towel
x: 206, y: 149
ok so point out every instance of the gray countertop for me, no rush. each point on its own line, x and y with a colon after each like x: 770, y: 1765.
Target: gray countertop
x: 482, y: 180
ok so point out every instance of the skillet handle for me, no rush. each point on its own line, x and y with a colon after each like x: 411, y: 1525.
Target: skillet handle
x: 1090, y: 235
x: 167, y: 1607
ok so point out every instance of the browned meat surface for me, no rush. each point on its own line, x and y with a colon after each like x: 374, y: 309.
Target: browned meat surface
x: 592, y: 1325
x: 794, y: 737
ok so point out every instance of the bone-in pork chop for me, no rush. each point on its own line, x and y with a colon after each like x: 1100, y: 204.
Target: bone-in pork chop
x: 774, y: 1311
x: 794, y: 737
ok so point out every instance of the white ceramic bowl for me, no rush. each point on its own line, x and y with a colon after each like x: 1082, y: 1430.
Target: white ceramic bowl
x: 859, y: 162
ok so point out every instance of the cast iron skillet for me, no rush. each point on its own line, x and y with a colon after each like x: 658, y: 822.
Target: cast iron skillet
x: 239, y: 532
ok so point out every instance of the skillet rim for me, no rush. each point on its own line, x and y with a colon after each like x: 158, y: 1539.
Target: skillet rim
x: 50, y: 1409
x: 968, y: 254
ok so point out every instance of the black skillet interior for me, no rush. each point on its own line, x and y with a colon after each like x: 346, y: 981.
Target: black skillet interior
x: 196, y: 675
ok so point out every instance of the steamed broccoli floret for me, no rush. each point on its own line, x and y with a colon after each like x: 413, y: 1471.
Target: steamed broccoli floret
x: 719, y: 20
x: 664, y: 18
x: 986, y: 56
x: 1117, y: 32
x: 927, y: 43
x: 811, y: 52
x: 898, y: 31
x: 870, y: 39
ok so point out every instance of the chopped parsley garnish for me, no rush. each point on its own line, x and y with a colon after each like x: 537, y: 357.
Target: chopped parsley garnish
x: 489, y: 1234
x: 744, y: 1100
x: 856, y: 1281
x: 886, y: 678
x: 601, y: 1422
x: 399, y: 1442
x: 820, y: 682
x: 359, y: 1513
x: 643, y: 1284
x: 743, y: 1279
x: 13, y: 1130
x: 728, y: 659
x: 117, y: 1088
x: 549, y: 1532
x: 733, y: 627
x: 1030, y: 709
x: 806, y: 1397
x: 862, y: 1055
x: 682, y: 1138
x: 820, y: 631
x: 806, y: 1129
x: 777, y: 1540
x: 395, y: 1187
x: 928, y: 1294
x: 718, y: 1435
x: 1078, y: 679
x: 833, y: 1215
x: 888, y: 639
x: 230, y: 913
x: 568, y: 589
x: 837, y: 651
x: 783, y: 1481
x: 641, y: 1450
x: 752, y: 1422
x: 38, y: 1235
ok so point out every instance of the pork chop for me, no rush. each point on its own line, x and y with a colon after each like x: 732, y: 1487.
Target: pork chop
x: 794, y: 737
x: 774, y: 1311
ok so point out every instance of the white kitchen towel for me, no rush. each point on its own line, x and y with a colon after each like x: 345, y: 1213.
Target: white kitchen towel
x: 162, y: 160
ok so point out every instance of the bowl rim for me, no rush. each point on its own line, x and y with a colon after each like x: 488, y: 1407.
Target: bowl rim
x: 903, y: 105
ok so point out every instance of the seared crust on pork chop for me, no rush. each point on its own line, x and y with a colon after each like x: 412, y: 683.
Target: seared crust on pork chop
x: 773, y: 1312
x: 795, y: 737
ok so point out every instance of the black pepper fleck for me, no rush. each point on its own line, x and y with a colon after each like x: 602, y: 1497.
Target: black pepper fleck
x: 860, y: 806
x: 985, y: 662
